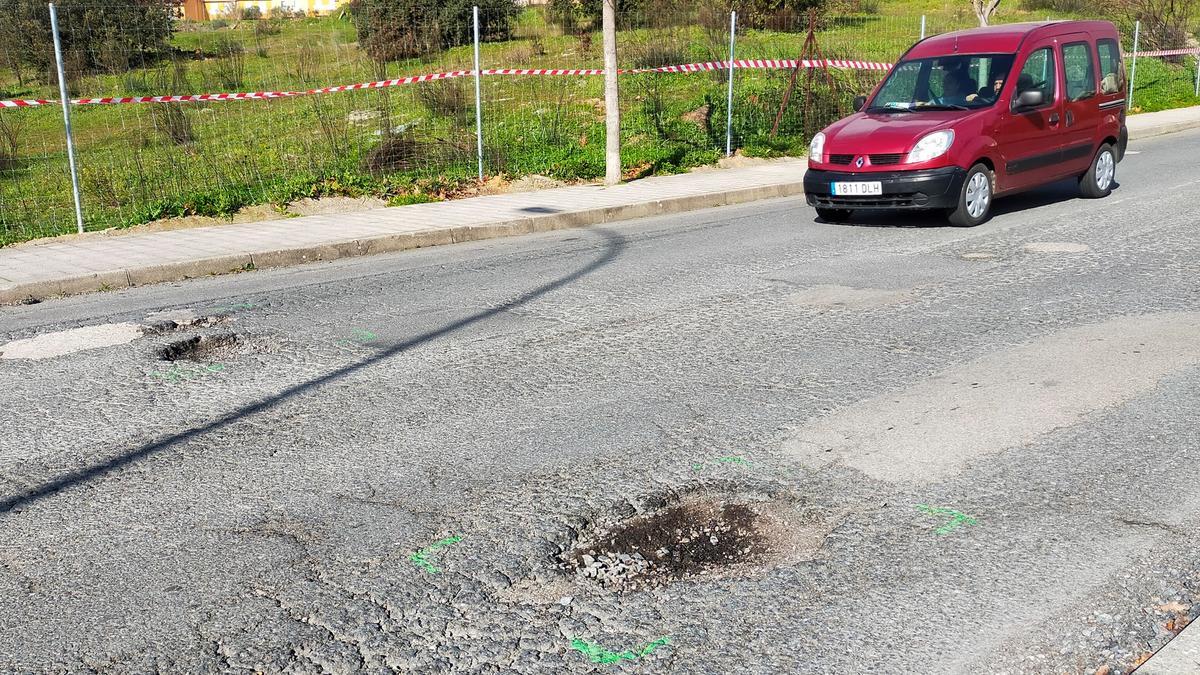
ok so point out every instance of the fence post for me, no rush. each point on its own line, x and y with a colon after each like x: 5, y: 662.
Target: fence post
x: 66, y: 106
x: 922, y: 26
x: 1197, y: 75
x: 478, y: 98
x: 729, y: 102
x: 1137, y: 33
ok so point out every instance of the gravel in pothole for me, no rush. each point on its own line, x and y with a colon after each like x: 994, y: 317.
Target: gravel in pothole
x: 699, y: 536
x: 199, y: 347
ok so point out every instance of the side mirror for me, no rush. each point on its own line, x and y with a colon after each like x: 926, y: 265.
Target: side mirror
x: 859, y: 102
x: 1030, y: 98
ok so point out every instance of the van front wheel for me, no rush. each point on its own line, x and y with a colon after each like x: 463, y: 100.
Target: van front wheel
x: 975, y: 199
x: 1099, y: 180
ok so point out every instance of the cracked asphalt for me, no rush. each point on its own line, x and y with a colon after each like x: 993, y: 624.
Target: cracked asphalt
x: 257, y: 508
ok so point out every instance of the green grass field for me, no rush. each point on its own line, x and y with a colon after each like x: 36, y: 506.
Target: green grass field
x: 415, y: 143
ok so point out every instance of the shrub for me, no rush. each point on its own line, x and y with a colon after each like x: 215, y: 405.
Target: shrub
x: 170, y: 121
x: 1064, y: 6
x: 218, y: 24
x: 393, y: 154
x: 10, y: 137
x: 109, y: 37
x: 447, y: 98
x: 230, y: 67
x: 251, y: 13
x: 390, y: 30
x: 268, y: 27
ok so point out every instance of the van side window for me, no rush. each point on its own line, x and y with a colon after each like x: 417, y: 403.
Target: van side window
x: 1111, y: 67
x: 1038, y: 74
x: 1079, y: 70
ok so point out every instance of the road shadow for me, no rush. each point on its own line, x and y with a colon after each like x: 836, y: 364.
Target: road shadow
x: 1055, y: 193
x: 614, y: 245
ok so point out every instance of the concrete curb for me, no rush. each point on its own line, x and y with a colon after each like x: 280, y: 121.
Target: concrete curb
x: 263, y: 259
x: 1180, y: 656
x: 1162, y: 129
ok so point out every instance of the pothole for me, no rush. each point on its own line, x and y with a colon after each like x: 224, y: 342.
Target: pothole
x: 199, y: 348
x: 849, y: 298
x: 699, y: 536
x: 169, y: 322
x: 978, y: 255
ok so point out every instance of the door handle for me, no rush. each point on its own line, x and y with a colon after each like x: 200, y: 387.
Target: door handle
x: 1070, y: 118
x: 1054, y: 119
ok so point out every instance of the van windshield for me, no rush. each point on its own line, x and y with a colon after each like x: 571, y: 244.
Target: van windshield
x: 959, y: 82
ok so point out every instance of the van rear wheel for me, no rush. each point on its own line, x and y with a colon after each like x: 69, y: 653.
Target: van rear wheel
x: 975, y: 199
x: 1101, y: 176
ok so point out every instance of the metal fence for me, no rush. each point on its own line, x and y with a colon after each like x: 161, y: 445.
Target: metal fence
x: 143, y: 161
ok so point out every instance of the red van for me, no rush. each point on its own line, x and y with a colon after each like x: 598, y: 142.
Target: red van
x: 966, y: 117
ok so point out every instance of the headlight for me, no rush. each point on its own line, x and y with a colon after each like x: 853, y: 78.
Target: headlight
x: 931, y: 147
x: 816, y: 148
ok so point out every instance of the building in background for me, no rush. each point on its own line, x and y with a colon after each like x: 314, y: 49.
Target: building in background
x: 203, y: 10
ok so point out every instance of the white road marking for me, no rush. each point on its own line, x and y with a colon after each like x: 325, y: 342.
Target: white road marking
x: 934, y: 428
x: 65, y: 342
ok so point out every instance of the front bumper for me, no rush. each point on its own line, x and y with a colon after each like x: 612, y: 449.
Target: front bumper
x: 922, y: 189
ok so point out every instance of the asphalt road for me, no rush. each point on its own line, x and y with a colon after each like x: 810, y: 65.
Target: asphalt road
x: 984, y: 443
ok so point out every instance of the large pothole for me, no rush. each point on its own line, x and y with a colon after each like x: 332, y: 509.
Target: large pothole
x: 697, y: 536
x: 199, y: 348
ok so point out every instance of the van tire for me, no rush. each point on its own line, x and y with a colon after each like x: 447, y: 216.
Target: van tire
x: 834, y: 215
x: 1099, y: 179
x: 975, y: 213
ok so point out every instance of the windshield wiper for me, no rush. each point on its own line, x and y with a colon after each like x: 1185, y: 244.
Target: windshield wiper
x: 941, y: 106
x: 887, y: 109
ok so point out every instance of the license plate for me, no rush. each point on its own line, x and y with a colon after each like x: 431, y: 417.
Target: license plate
x: 858, y: 189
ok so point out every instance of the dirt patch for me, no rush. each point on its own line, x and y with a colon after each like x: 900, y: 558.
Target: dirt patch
x: 327, y: 205
x: 199, y: 348
x: 700, y: 536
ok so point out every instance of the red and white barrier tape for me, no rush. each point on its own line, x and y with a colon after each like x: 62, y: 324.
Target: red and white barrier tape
x: 1166, y: 52
x: 263, y: 95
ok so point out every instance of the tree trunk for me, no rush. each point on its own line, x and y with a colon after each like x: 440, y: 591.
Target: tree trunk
x: 612, y: 170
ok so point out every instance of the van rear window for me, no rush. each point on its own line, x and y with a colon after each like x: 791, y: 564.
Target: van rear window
x: 1112, y: 69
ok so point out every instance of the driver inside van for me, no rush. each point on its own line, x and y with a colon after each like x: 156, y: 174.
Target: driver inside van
x: 955, y: 88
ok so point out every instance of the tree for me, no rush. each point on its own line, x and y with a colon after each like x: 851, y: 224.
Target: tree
x: 612, y: 106
x: 985, y: 10
x: 1164, y: 22
x: 109, y: 37
x: 390, y: 30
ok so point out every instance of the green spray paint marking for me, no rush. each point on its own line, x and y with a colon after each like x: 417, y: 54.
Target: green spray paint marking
x: 599, y: 654
x: 723, y: 460
x: 358, y: 337
x: 957, y: 518
x: 234, y: 308
x: 421, y: 561
x: 178, y: 373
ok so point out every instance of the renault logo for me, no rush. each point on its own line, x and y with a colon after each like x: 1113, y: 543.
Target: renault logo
x: 858, y: 162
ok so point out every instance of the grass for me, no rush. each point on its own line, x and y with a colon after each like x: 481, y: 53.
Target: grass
x: 145, y: 162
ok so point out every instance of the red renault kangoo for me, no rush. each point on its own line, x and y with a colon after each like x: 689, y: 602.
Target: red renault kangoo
x: 966, y: 117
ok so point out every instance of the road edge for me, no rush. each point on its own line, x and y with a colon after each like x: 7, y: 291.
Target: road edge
x: 117, y: 279
x: 1180, y: 656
